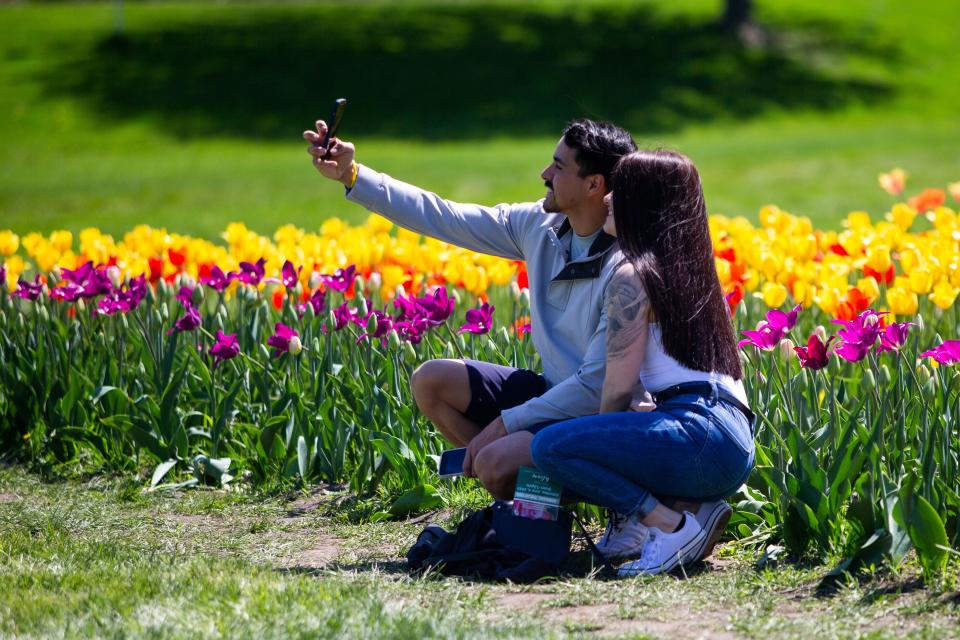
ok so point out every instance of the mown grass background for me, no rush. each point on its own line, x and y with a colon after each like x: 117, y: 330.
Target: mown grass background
x: 190, y: 116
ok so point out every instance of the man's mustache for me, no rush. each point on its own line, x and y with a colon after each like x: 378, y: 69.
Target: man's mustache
x: 548, y: 184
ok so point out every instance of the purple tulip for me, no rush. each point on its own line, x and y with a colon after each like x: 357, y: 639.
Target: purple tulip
x: 185, y: 296
x: 438, y: 307
x: 947, y: 353
x: 865, y: 328
x: 407, y: 307
x: 3, y: 275
x: 341, y: 278
x: 226, y: 346
x: 344, y: 315
x: 281, y: 339
x: 80, y: 275
x: 894, y: 336
x: 384, y: 324
x: 67, y: 292
x: 289, y: 275
x: 478, y: 321
x: 251, y: 274
x: 218, y: 280
x: 189, y: 321
x: 316, y: 301
x: 27, y: 290
x: 858, y: 335
x: 412, y: 330
x: 92, y: 281
x: 769, y: 332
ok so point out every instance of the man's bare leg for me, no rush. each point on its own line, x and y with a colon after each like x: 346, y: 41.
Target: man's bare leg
x: 441, y: 389
x: 498, y: 463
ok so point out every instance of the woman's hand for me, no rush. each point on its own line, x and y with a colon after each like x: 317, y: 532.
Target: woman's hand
x: 492, y: 432
x: 642, y: 401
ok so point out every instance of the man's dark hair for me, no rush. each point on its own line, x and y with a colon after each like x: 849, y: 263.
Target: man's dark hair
x: 662, y: 228
x: 598, y: 146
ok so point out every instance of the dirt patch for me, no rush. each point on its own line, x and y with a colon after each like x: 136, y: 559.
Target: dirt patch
x: 6, y: 498
x: 604, y: 619
x: 524, y: 600
x: 322, y: 552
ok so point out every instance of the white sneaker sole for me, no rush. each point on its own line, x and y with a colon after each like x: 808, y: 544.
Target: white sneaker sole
x: 685, y: 555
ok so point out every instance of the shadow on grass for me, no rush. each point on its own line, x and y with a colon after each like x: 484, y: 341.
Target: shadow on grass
x: 457, y: 72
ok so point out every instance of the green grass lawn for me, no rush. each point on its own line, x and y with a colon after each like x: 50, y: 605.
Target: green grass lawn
x: 100, y: 557
x: 192, y: 119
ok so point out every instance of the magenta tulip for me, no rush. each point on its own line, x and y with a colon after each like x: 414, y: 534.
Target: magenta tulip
x: 27, y: 290
x: 894, y: 336
x: 947, y: 353
x: 478, y: 321
x: 280, y: 340
x: 341, y: 279
x: 252, y: 274
x: 189, y: 321
x: 226, y: 346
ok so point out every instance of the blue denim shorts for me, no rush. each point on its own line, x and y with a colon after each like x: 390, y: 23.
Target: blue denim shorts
x: 494, y: 387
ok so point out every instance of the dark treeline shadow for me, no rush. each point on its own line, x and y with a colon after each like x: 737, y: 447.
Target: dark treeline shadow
x: 452, y: 72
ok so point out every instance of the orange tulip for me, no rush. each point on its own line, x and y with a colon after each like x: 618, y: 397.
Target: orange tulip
x: 928, y: 200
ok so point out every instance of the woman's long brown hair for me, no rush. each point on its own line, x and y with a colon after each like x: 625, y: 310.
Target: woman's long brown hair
x: 662, y: 229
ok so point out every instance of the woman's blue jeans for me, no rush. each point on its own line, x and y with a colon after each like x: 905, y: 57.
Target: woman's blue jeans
x: 690, y: 447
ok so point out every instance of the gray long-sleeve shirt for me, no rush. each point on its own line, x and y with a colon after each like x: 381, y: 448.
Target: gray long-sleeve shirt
x: 567, y: 314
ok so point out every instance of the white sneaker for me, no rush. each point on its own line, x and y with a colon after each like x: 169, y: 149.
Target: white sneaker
x: 664, y: 552
x: 624, y: 537
x: 713, y: 518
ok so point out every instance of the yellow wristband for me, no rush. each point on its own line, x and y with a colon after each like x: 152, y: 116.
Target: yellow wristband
x: 354, y: 169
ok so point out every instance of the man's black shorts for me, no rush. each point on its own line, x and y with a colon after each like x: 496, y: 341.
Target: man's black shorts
x: 494, y: 388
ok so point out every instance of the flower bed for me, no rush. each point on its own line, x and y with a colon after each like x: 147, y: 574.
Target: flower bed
x: 288, y: 360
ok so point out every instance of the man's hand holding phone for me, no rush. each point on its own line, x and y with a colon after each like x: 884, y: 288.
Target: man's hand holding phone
x: 334, y: 161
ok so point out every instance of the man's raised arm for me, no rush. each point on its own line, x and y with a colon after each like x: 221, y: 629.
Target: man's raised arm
x: 493, y: 230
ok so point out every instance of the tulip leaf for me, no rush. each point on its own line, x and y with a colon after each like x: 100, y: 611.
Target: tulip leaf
x: 923, y: 525
x: 162, y: 469
x: 302, y: 457
x: 101, y: 391
x: 420, y: 498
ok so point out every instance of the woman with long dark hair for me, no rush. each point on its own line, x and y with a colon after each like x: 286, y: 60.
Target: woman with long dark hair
x: 668, y: 333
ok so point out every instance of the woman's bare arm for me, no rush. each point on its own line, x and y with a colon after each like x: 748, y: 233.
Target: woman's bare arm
x: 628, y: 318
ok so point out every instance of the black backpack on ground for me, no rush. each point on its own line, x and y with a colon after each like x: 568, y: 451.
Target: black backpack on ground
x: 495, y: 544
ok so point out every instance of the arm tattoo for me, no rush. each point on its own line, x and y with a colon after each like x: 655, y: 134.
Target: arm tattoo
x: 627, y: 314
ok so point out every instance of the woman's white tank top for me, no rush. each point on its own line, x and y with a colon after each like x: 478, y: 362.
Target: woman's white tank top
x: 660, y: 370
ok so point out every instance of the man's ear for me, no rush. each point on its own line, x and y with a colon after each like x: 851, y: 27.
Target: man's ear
x: 597, y: 185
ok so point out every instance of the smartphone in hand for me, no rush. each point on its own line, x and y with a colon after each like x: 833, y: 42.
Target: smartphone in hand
x: 451, y: 463
x: 333, y: 123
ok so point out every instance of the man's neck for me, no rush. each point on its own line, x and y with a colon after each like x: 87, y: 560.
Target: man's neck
x: 588, y: 221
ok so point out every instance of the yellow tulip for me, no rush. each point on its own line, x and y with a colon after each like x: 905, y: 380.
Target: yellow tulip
x: 774, y: 294
x: 61, y: 240
x: 15, y: 266
x: 857, y: 220
x: 878, y: 258
x: 378, y: 224
x: 902, y: 302
x: 9, y: 243
x: 869, y: 287
x: 944, y: 295
x: 921, y: 280
x: 902, y: 216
